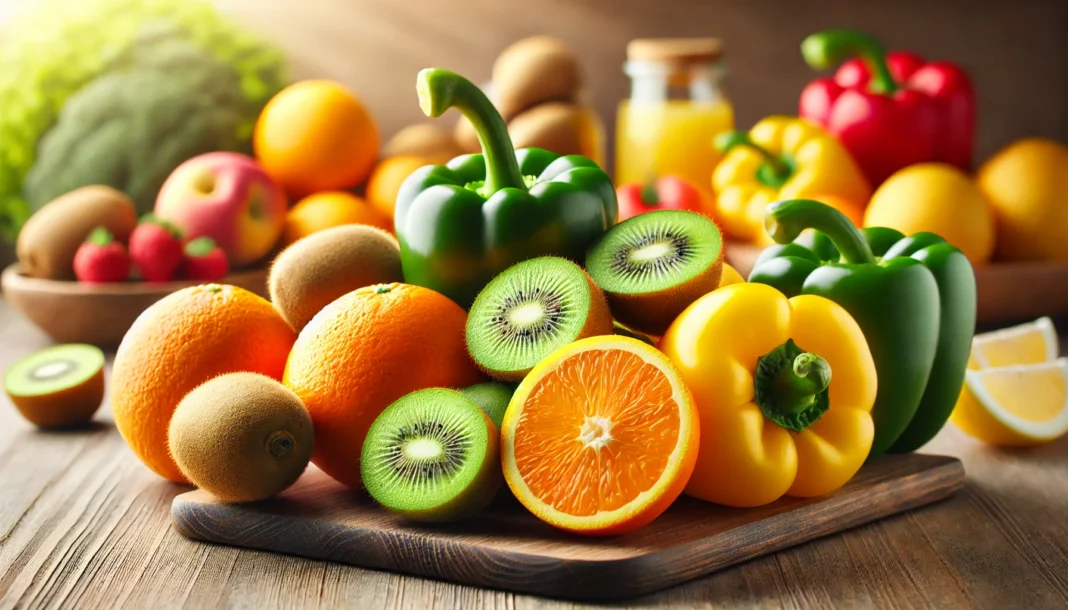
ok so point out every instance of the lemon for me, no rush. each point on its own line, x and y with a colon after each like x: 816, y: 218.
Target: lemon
x: 1030, y: 343
x: 1023, y: 404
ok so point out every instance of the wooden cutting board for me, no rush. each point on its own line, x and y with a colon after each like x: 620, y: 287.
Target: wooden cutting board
x: 509, y: 549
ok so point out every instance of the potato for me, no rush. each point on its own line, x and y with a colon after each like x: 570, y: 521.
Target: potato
x: 423, y: 140
x: 50, y: 238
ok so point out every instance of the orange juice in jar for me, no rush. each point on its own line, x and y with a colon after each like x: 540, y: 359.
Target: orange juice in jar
x: 675, y: 111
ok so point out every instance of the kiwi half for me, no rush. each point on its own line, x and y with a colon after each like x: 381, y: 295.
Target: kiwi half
x: 652, y: 266
x: 493, y: 397
x: 58, y: 387
x: 529, y: 311
x: 432, y: 456
x: 243, y: 437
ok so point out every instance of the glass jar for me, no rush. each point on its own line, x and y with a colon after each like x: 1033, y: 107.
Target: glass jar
x: 675, y: 110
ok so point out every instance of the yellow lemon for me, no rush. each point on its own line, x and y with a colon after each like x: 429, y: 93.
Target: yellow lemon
x: 1015, y: 405
x: 938, y: 198
x: 1030, y: 343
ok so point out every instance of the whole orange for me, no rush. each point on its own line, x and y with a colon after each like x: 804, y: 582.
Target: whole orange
x: 316, y: 135
x: 183, y: 340
x: 366, y: 350
x: 387, y: 178
x: 331, y: 209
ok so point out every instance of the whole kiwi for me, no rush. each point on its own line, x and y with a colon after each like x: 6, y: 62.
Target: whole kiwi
x: 423, y: 140
x: 50, y: 238
x: 319, y: 268
x: 243, y: 437
x: 535, y: 70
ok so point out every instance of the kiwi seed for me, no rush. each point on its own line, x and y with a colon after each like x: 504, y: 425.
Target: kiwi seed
x: 242, y: 437
x: 58, y: 387
x: 529, y: 311
x: 432, y: 456
x: 652, y: 266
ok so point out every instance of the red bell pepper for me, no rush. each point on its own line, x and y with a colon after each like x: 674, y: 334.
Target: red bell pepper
x: 666, y: 193
x: 889, y: 109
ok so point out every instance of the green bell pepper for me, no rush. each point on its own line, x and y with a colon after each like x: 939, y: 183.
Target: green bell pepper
x: 913, y: 297
x: 462, y: 223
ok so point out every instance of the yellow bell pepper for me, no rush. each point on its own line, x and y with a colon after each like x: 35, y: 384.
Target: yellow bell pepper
x: 775, y: 420
x: 781, y: 158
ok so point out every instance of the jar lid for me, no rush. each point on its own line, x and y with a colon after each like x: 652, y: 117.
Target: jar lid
x: 680, y: 51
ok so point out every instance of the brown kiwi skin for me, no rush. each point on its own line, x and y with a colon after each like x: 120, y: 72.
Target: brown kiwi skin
x: 221, y: 437
x: 48, y: 241
x: 67, y: 408
x: 653, y: 312
x: 317, y: 269
x: 598, y: 322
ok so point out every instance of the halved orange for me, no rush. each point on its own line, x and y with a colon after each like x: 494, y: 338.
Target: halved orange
x: 601, y: 436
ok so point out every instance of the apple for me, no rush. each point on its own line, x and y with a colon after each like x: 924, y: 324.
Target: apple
x: 228, y: 197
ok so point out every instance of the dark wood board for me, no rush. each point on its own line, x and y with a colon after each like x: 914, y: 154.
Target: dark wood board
x: 509, y: 549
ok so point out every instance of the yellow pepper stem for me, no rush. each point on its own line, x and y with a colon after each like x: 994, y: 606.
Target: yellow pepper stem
x: 776, y: 169
x: 791, y: 386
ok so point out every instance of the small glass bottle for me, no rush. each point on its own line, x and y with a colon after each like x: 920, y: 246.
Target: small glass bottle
x: 675, y: 110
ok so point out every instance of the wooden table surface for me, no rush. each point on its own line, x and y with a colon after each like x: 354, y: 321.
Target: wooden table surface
x: 84, y: 525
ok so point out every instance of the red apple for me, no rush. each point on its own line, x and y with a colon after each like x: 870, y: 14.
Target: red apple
x: 228, y: 197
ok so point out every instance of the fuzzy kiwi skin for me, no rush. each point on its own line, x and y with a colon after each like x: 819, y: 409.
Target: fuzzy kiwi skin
x: 492, y: 397
x: 653, y: 312
x: 535, y: 70
x: 423, y: 140
x: 314, y: 271
x: 67, y: 408
x: 598, y: 322
x: 49, y: 240
x: 224, y: 437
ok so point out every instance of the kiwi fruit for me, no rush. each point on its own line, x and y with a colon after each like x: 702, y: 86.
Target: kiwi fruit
x: 492, y: 397
x: 432, y: 456
x: 58, y: 387
x: 534, y: 70
x: 652, y: 266
x: 243, y: 437
x: 424, y: 140
x: 48, y: 241
x: 529, y: 311
x: 314, y: 271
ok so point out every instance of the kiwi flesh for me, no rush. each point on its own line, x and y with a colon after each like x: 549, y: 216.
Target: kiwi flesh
x: 529, y: 311
x: 243, y: 437
x: 432, y: 456
x: 492, y: 397
x: 61, y: 386
x: 314, y: 271
x: 654, y: 265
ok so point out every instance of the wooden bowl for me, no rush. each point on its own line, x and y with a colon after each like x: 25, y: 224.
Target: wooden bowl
x: 1008, y: 292
x: 100, y: 314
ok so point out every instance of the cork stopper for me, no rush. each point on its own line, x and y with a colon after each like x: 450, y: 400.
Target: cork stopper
x: 678, y: 51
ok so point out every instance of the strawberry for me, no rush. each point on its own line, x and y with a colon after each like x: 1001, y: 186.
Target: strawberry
x: 156, y: 249
x: 204, y: 261
x: 101, y: 259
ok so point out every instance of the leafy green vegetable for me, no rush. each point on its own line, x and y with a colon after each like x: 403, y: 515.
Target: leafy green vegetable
x: 175, y: 79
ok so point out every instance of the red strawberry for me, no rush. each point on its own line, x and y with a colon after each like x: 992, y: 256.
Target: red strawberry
x: 204, y: 261
x: 101, y: 259
x: 156, y: 249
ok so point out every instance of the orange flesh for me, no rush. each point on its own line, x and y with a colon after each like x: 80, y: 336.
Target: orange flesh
x: 586, y: 443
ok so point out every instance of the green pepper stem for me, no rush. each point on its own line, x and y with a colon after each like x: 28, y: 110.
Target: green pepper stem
x: 785, y: 220
x: 440, y: 90
x: 829, y: 48
x: 649, y: 195
x: 775, y: 171
x: 791, y: 386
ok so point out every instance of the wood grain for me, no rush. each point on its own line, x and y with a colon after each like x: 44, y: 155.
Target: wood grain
x: 507, y: 548
x: 84, y: 525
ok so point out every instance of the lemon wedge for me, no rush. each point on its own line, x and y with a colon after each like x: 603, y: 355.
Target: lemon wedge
x: 1029, y: 343
x: 1024, y: 404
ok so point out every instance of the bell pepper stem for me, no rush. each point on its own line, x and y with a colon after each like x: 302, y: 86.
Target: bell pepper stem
x: 791, y: 386
x: 440, y: 90
x: 775, y: 170
x: 785, y: 220
x: 649, y: 195
x: 829, y: 48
